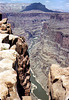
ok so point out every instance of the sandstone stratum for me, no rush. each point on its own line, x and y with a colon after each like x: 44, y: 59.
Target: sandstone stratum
x: 14, y: 65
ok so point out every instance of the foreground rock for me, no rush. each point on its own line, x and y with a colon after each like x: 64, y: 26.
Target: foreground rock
x: 4, y: 38
x: 23, y: 68
x: 27, y: 98
x: 14, y: 65
x: 4, y: 46
x: 8, y: 85
x: 8, y: 76
x: 10, y: 54
x: 58, y: 83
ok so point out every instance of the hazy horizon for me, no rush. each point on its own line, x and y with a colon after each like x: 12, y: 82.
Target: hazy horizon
x: 62, y: 5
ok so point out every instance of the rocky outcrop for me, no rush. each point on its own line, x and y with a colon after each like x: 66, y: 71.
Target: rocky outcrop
x: 58, y: 83
x: 8, y: 76
x: 66, y: 41
x: 45, y: 26
x: 57, y: 17
x: 23, y: 67
x: 5, y: 28
x: 62, y: 39
x: 59, y: 37
x: 14, y: 65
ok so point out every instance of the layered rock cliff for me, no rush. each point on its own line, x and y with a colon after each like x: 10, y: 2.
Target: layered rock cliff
x: 14, y: 65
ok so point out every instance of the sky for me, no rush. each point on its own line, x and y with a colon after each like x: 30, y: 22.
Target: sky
x: 62, y: 5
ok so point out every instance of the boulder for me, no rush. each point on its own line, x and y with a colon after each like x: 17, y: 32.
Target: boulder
x: 3, y: 27
x: 3, y: 21
x: 21, y: 46
x: 58, y: 83
x: 8, y: 25
x: 9, y: 30
x: 6, y: 64
x: 25, y: 47
x: 13, y: 39
x: 8, y: 85
x: 9, y: 54
x: 13, y: 47
x: 4, y: 46
x: 4, y: 31
x: 27, y: 98
x: 4, y: 38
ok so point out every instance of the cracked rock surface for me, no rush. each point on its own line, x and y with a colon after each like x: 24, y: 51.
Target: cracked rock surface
x: 58, y: 83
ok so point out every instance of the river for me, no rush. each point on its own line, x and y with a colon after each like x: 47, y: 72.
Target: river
x: 39, y: 91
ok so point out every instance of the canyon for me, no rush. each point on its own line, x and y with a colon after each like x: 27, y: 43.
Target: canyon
x: 47, y: 36
x: 47, y: 39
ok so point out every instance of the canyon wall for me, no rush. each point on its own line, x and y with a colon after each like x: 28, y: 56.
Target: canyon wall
x: 14, y: 65
x: 57, y: 17
x: 62, y: 39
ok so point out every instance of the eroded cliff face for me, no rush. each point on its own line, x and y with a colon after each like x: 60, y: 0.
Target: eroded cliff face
x: 58, y: 83
x: 14, y: 65
x: 62, y: 39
